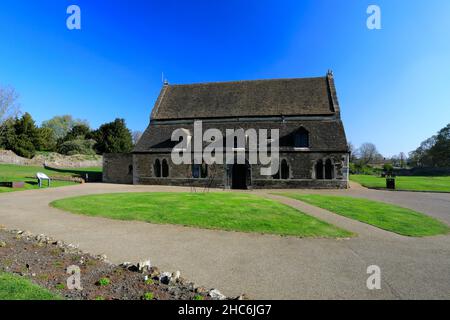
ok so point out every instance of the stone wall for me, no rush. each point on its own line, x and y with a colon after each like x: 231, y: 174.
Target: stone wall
x: 301, y: 172
x: 299, y: 184
x: 53, y: 160
x: 118, y: 168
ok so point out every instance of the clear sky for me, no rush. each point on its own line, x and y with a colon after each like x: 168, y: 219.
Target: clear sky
x: 393, y: 84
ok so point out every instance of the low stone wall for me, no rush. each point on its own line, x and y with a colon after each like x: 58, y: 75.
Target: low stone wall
x: 9, y: 157
x: 299, y: 184
x: 256, y: 184
x: 53, y: 160
x: 423, y: 172
x: 118, y: 168
x: 182, y: 182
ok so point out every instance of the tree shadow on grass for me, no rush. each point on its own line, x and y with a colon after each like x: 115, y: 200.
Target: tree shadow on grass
x: 87, y: 175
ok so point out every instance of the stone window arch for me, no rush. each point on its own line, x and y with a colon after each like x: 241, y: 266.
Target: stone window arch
x: 157, y: 168
x: 204, y: 170
x: 329, y: 169
x: 284, y: 170
x: 277, y: 175
x: 165, y: 169
x: 319, y: 170
x: 301, y: 138
x: 196, y: 171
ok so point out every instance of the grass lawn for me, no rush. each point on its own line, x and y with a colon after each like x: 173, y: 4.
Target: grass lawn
x: 225, y: 211
x: 16, y: 288
x: 382, y: 215
x: 12, y: 173
x: 440, y: 184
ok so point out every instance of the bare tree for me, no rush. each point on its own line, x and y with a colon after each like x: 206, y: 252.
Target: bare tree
x: 136, y: 136
x: 368, y: 153
x: 9, y: 105
x: 353, y: 152
x: 402, y: 158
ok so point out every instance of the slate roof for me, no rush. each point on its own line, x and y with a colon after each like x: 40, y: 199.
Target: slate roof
x: 226, y: 104
x: 325, y: 136
x: 259, y: 98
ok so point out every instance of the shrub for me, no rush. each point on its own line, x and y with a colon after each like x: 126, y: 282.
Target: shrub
x: 24, y: 148
x: 60, y: 286
x: 113, y: 137
x: 359, y: 168
x: 78, y: 146
x: 148, y: 296
x: 103, y: 282
x: 388, y: 168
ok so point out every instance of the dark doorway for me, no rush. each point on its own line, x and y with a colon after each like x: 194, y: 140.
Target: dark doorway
x: 284, y: 170
x: 328, y: 170
x: 319, y: 170
x: 239, y: 176
x: 165, y: 169
x: 157, y: 169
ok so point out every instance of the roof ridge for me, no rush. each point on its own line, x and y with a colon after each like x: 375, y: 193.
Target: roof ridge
x: 242, y: 81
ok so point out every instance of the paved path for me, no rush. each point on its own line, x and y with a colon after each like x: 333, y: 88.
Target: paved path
x: 263, y: 266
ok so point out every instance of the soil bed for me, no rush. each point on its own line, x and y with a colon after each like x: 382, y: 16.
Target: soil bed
x: 44, y: 261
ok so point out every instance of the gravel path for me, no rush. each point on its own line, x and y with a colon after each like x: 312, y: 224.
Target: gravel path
x: 262, y: 266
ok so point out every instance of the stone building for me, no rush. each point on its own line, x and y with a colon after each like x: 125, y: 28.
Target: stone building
x: 313, y: 146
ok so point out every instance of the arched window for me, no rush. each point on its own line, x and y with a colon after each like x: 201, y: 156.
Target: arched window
x: 301, y: 138
x: 157, y: 169
x: 276, y: 176
x: 329, y: 170
x: 130, y: 169
x: 165, y: 169
x: 204, y: 170
x: 319, y: 170
x: 284, y: 170
x: 196, y: 171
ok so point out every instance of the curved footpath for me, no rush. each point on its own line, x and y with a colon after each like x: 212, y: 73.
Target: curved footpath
x: 262, y: 266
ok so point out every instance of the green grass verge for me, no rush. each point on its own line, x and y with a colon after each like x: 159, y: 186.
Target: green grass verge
x: 382, y: 215
x: 225, y: 211
x: 439, y: 184
x: 16, y: 288
x: 13, y: 173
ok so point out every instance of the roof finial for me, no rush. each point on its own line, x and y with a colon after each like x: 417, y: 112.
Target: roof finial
x: 163, y: 80
x: 330, y: 73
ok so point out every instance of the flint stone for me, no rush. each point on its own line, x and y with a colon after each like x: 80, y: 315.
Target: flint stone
x: 144, y: 266
x: 216, y: 295
x: 165, y: 277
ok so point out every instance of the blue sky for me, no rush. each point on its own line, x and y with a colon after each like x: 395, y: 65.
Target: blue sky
x: 393, y: 84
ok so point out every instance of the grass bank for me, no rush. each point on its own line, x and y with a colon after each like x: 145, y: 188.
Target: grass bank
x: 381, y: 215
x: 27, y: 174
x: 13, y: 287
x: 430, y: 184
x: 224, y: 211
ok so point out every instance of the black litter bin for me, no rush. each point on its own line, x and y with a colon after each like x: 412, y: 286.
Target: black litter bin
x: 390, y: 183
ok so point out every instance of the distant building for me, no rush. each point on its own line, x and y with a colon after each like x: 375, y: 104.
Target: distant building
x: 313, y: 146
